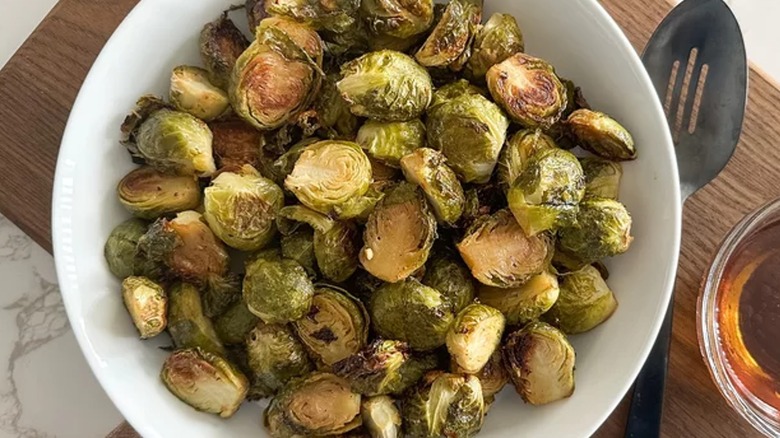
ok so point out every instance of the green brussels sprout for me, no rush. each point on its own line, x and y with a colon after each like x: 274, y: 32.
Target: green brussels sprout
x: 335, y: 328
x: 518, y: 151
x: 528, y: 89
x: 444, y: 405
x: 547, y: 193
x: 381, y: 417
x: 388, y: 142
x: 284, y: 165
x: 602, y: 135
x: 454, y: 90
x: 120, y: 248
x: 299, y: 246
x: 220, y: 293
x: 399, y: 235
x: 233, y: 325
x: 205, y: 381
x: 498, y: 39
x: 274, y: 356
x: 602, y: 177
x: 427, y: 168
x: 540, y: 362
x: 328, y: 174
x: 336, y: 251
x: 411, y: 312
x: 187, y: 324
x: 363, y: 285
x: 348, y: 44
x: 221, y: 43
x: 400, y: 19
x: 361, y: 207
x: 449, y: 43
x: 585, y: 302
x: 147, y: 304
x: 603, y: 229
x: 452, y: 279
x: 470, y: 131
x: 277, y: 290
x: 192, y: 92
x: 148, y: 193
x: 241, y: 206
x: 522, y: 304
x: 236, y: 143
x: 386, y: 86
x: 500, y: 254
x: 333, y: 111
x: 333, y: 15
x: 278, y: 75
x: 375, y: 369
x: 474, y: 336
x: 319, y: 404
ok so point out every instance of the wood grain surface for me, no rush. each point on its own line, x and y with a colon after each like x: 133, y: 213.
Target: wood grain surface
x: 39, y: 84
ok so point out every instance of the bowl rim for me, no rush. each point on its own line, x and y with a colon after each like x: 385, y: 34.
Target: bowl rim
x: 61, y: 235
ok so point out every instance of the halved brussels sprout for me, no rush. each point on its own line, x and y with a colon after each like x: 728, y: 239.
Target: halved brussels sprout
x: 444, y: 405
x: 470, y: 131
x: 493, y: 376
x: 411, y: 312
x: 376, y: 369
x: 388, y: 142
x: 547, y: 193
x: 446, y: 274
x: 332, y: 15
x: 275, y: 356
x: 386, y: 86
x: 319, y: 404
x: 522, y: 304
x: 427, y: 168
x: 121, y: 247
x: 399, y: 235
x: 148, y: 193
x: 602, y: 177
x: 205, y: 381
x: 603, y: 229
x: 602, y: 135
x: 397, y: 18
x: 528, y: 89
x: 333, y: 111
x: 518, y: 151
x: 221, y: 43
x: 328, y: 174
x: 236, y: 143
x: 299, y: 246
x: 381, y: 417
x: 335, y: 328
x: 192, y: 92
x: 495, y: 41
x: 500, y: 254
x: 147, y: 304
x: 336, y: 251
x: 449, y: 43
x: 233, y: 325
x: 474, y: 336
x: 241, y: 206
x: 284, y: 165
x: 540, y: 361
x: 277, y: 290
x: 187, y: 324
x: 585, y: 302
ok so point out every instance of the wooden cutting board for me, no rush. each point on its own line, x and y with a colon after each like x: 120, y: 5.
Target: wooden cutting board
x: 39, y: 84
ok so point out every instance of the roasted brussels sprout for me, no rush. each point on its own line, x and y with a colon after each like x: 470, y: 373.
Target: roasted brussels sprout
x: 291, y: 217
x: 299, y: 246
x: 452, y: 279
x: 470, y: 131
x: 547, y: 193
x: 602, y: 177
x: 540, y: 361
x: 233, y: 325
x: 277, y: 290
x: 335, y: 328
x: 411, y: 312
x: 148, y: 193
x: 187, y: 324
x: 388, y: 142
x: 522, y: 304
x: 397, y: 18
x: 205, y: 381
x: 221, y: 43
x: 284, y: 165
x: 332, y: 15
x: 121, y: 247
x: 603, y: 229
x: 386, y: 86
x: 399, y: 235
x: 444, y: 405
x: 147, y: 304
x: 275, y: 356
x: 192, y: 92
x: 585, y: 302
x: 220, y: 293
x: 427, y: 169
x: 328, y: 174
x: 333, y: 111
x: 381, y: 417
x: 474, y: 336
x: 319, y: 404
x: 236, y: 143
x: 498, y: 39
x: 449, y: 43
x: 528, y: 89
x: 602, y: 135
x: 500, y: 254
x: 518, y: 151
x: 361, y: 207
x: 493, y: 376
x: 336, y: 251
x: 255, y: 12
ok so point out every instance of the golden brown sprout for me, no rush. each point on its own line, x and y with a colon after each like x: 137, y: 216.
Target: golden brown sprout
x: 585, y: 302
x: 495, y: 41
x: 148, y: 193
x: 525, y: 303
x: 602, y: 135
x: 427, y: 168
x: 518, y: 151
x: 192, y: 92
x: 147, y: 304
x: 449, y: 44
x: 236, y: 143
x: 474, y: 336
x: 221, y: 43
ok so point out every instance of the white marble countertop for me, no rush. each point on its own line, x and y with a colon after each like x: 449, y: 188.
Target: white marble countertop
x: 47, y: 389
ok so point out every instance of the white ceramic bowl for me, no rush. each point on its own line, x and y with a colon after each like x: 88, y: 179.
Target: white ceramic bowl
x: 578, y: 37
